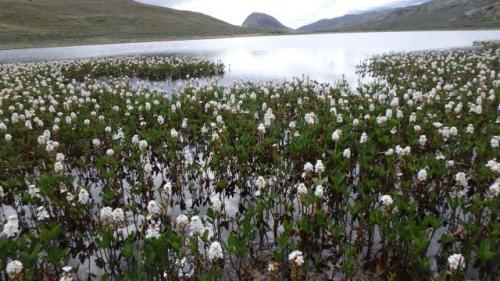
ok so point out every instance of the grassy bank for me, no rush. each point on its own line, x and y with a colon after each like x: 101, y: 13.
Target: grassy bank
x: 39, y: 23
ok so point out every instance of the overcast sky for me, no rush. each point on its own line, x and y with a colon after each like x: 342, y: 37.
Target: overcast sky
x: 293, y: 13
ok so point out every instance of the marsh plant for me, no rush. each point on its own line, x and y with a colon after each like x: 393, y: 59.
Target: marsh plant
x: 297, y: 180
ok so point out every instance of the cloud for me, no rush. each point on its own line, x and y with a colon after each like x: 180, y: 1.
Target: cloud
x: 293, y: 13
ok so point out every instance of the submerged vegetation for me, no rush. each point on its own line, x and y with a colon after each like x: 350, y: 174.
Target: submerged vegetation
x: 297, y: 180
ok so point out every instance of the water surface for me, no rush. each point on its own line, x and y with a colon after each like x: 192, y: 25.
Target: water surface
x: 324, y: 57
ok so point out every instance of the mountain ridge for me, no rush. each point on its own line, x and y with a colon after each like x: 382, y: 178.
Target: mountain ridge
x: 434, y: 14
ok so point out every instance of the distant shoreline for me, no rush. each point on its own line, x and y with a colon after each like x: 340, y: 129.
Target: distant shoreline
x: 105, y: 41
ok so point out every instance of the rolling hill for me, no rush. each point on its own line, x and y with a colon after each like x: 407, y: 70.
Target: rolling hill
x: 265, y: 22
x: 434, y: 14
x: 36, y: 23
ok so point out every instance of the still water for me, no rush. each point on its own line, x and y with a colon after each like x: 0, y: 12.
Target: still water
x: 324, y: 57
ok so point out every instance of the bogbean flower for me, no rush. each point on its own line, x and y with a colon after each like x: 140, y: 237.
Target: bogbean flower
x: 456, y: 262
x: 11, y: 228
x: 110, y: 152
x: 261, y: 128
x: 296, y: 258
x: 347, y: 153
x: 154, y: 209
x: 118, y: 216
x: 494, y: 166
x: 364, y: 138
x: 182, y: 221
x: 301, y: 190
x: 260, y: 182
x: 14, y: 270
x: 106, y: 215
x: 461, y: 178
x: 58, y: 167
x: 196, y: 226
x: 494, y: 189
x: 41, y: 213
x: 318, y: 167
x: 310, y: 118
x: 386, y: 200
x: 336, y: 135
x: 308, y: 167
x: 422, y: 140
x: 422, y: 175
x: 148, y: 169
x: 318, y: 191
x: 83, y: 196
x: 174, y: 134
x: 495, y: 141
x: 216, y: 204
x: 215, y: 251
x: 96, y: 142
x: 8, y: 137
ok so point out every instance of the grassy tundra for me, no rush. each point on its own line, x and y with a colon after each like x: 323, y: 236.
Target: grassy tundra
x: 37, y: 23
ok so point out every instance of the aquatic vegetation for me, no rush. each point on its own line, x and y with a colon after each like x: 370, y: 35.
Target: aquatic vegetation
x: 151, y: 68
x: 297, y: 180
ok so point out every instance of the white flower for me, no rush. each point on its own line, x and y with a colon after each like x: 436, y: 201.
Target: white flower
x: 41, y: 213
x: 118, y: 216
x: 110, y: 152
x: 216, y: 204
x: 494, y: 166
x: 96, y: 142
x: 456, y: 262
x: 422, y: 175
x: 319, y: 191
x: 160, y: 120
x: 215, y: 251
x: 261, y: 128
x: 308, y: 167
x: 14, y: 269
x: 461, y: 178
x: 494, y: 189
x: 196, y: 226
x: 386, y: 200
x: 106, y: 214
x: 260, y: 182
x: 310, y: 118
x: 174, y: 134
x: 364, y: 138
x: 60, y: 157
x: 148, y: 169
x: 11, y: 228
x: 336, y: 135
x: 167, y: 189
x: 302, y: 190
x: 154, y: 209
x: 495, y: 140
x: 2, y: 194
x: 296, y: 257
x: 83, y: 196
x: 422, y: 140
x: 347, y: 153
x: 143, y: 144
x: 182, y: 221
x: 318, y: 167
x: 8, y: 137
x: 58, y: 167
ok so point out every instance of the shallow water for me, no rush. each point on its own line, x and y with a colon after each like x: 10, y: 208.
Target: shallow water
x: 324, y: 57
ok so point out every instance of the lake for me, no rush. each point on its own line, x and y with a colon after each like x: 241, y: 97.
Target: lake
x: 324, y: 57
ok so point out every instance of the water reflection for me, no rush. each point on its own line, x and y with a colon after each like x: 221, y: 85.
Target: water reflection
x: 324, y: 57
